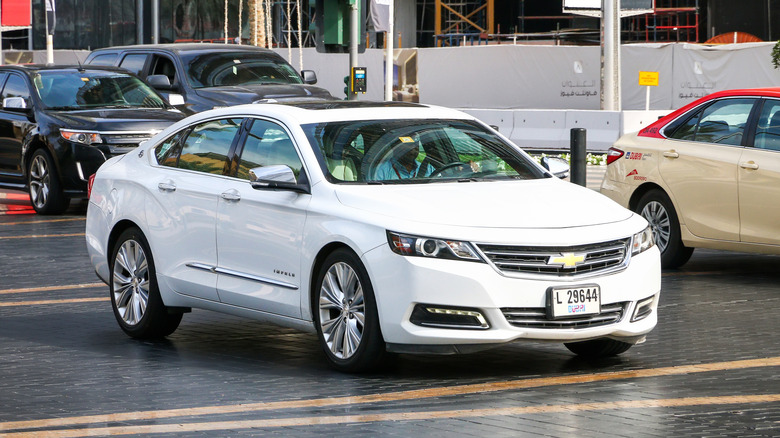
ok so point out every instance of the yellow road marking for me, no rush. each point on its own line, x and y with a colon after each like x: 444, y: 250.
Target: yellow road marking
x: 44, y: 221
x: 50, y: 288
x: 41, y: 302
x: 394, y: 396
x: 399, y: 416
x: 38, y: 236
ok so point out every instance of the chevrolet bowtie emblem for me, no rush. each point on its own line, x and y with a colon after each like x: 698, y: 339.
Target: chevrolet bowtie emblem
x: 567, y: 260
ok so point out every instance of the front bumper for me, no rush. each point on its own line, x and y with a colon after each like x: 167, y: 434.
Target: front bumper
x: 400, y: 283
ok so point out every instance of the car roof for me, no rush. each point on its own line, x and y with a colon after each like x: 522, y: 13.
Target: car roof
x: 188, y: 47
x: 30, y: 68
x: 299, y: 113
x: 766, y: 92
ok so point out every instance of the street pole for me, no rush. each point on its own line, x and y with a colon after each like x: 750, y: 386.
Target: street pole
x: 139, y: 21
x: 354, y: 28
x: 389, y: 53
x: 155, y: 21
x: 610, y: 55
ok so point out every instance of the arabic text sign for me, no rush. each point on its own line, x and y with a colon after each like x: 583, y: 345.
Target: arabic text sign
x: 648, y: 78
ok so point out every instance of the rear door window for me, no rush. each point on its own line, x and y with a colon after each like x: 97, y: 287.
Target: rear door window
x: 134, y: 62
x: 105, y: 59
x: 207, y: 146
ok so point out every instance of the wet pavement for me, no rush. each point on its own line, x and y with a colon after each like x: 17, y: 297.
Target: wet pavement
x: 710, y: 368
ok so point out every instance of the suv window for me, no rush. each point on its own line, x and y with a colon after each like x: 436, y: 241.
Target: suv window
x: 105, y: 59
x: 134, y: 63
x: 162, y: 65
x: 267, y: 144
x: 721, y: 122
x: 16, y: 87
x: 206, y: 147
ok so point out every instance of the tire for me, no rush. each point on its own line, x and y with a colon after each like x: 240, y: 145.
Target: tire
x: 598, y: 348
x: 43, y: 185
x: 135, y: 297
x: 343, y: 303
x: 656, y: 207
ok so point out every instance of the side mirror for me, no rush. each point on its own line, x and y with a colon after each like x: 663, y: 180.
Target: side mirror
x: 557, y: 166
x: 160, y: 82
x: 175, y: 99
x: 15, y: 104
x: 309, y: 77
x: 276, y: 177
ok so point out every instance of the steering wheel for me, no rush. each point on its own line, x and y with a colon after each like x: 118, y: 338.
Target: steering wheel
x: 438, y: 171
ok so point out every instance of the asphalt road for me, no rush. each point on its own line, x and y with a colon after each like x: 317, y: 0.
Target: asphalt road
x: 711, y: 367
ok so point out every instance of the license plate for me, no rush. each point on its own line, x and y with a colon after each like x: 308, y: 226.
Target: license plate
x: 574, y: 301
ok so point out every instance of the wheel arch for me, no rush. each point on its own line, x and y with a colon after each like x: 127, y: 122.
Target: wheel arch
x: 323, y: 253
x: 641, y: 191
x: 117, y: 230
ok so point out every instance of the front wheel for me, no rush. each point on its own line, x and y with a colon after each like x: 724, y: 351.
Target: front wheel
x: 345, y: 314
x: 44, y: 185
x: 135, y: 297
x: 656, y: 207
x: 598, y: 348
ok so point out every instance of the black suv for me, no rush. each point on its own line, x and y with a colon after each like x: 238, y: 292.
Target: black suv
x: 58, y: 124
x: 213, y: 75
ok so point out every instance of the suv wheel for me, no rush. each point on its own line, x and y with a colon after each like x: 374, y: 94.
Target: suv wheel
x: 44, y: 185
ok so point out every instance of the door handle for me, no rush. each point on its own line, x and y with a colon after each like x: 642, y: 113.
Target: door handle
x: 750, y: 165
x: 167, y: 186
x: 231, y: 195
x: 671, y: 154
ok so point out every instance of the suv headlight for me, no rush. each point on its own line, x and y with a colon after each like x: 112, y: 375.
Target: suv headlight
x: 418, y: 246
x: 83, y: 137
x: 642, y: 241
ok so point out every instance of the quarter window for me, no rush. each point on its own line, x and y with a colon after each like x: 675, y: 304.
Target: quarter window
x: 168, y: 152
x: 206, y: 147
x: 768, y: 129
x: 268, y: 144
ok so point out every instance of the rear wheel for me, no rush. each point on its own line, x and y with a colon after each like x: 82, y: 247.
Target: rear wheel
x: 656, y: 207
x: 598, y: 348
x: 44, y: 185
x: 345, y: 314
x: 135, y: 297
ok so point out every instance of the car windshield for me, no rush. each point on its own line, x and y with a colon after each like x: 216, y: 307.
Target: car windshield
x: 237, y: 68
x: 415, y: 151
x: 94, y: 89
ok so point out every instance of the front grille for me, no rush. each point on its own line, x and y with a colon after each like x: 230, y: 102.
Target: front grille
x: 534, y: 317
x: 125, y: 138
x: 598, y: 257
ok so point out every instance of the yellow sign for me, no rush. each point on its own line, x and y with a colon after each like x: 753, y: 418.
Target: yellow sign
x: 648, y: 78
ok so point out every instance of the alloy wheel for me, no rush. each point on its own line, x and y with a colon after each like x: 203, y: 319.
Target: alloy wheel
x: 342, y: 310
x: 40, y: 182
x: 655, y: 213
x: 131, y: 282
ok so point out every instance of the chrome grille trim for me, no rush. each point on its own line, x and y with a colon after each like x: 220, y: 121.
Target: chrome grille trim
x: 533, y: 317
x: 533, y: 260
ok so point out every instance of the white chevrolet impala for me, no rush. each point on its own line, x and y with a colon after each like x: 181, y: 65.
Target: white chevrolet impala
x: 382, y: 227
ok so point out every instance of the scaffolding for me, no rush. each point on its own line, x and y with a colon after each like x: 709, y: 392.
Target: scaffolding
x: 459, y: 20
x: 672, y: 21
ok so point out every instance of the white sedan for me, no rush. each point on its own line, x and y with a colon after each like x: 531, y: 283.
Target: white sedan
x: 382, y: 227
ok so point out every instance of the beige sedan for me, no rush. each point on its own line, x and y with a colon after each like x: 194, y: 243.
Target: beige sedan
x: 705, y: 176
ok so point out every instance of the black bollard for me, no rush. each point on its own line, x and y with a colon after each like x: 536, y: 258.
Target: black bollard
x: 578, y: 156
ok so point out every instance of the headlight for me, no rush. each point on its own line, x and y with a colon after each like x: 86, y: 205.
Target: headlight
x: 431, y: 247
x: 642, y: 241
x: 83, y: 137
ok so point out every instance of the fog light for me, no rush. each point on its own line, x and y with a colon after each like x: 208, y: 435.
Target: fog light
x: 643, y: 309
x: 448, y: 317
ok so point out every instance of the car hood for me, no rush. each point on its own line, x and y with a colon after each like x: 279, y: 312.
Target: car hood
x: 118, y: 119
x: 534, y: 204
x: 239, y: 94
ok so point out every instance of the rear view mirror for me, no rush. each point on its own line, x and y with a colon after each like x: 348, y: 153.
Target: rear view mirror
x: 160, y: 82
x: 15, y: 104
x: 557, y: 166
x: 309, y: 77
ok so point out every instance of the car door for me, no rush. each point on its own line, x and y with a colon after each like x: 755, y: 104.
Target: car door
x: 260, y: 232
x: 13, y: 125
x: 759, y: 180
x: 698, y: 164
x: 181, y: 210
